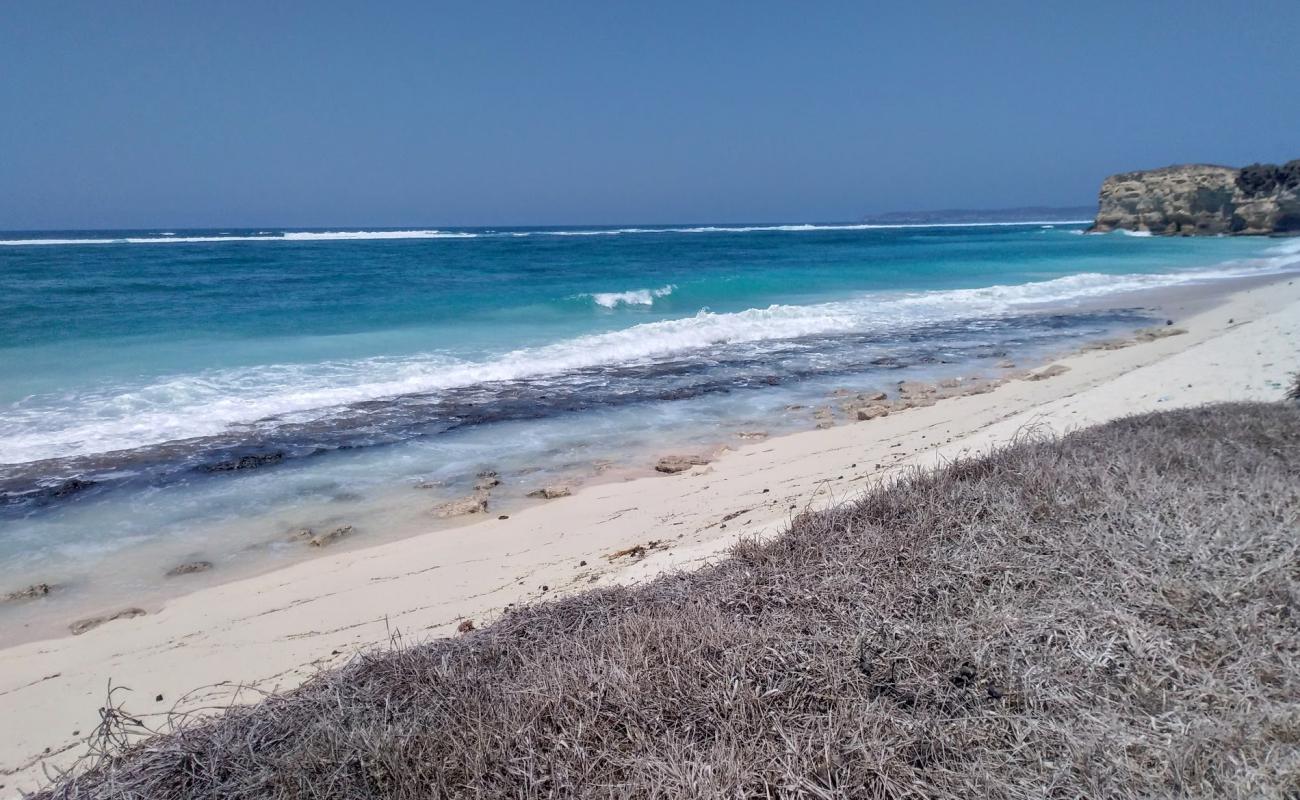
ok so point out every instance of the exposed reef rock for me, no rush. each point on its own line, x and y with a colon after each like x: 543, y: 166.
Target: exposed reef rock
x: 1201, y: 199
x: 82, y: 625
x: 551, y: 492
x: 29, y: 593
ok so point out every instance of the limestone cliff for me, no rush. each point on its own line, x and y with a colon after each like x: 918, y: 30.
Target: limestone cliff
x: 1198, y: 199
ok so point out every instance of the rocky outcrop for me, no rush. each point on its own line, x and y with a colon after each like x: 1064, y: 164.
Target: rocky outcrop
x: 1200, y: 199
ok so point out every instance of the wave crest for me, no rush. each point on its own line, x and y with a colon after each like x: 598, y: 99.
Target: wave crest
x: 187, y: 406
x: 635, y: 297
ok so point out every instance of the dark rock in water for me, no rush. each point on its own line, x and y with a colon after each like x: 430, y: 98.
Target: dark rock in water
x: 29, y: 593
x: 69, y: 487
x: 189, y: 568
x: 1202, y: 199
x: 82, y: 625
x: 246, y: 462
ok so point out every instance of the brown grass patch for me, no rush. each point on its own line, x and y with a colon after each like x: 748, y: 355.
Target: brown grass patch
x: 1113, y: 614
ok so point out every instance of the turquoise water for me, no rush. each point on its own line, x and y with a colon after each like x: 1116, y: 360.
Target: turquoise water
x: 139, y: 369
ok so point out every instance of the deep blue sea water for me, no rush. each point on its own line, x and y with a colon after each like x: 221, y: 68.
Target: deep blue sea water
x: 138, y: 368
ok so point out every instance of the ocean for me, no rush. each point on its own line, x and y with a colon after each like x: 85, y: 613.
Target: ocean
x: 170, y: 396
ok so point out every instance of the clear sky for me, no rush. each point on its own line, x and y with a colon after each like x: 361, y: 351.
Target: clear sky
x: 147, y: 114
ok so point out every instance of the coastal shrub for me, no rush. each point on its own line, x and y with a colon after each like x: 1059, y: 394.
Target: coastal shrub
x: 1111, y: 614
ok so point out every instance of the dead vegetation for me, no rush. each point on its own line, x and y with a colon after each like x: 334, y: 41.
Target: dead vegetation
x: 1109, y: 615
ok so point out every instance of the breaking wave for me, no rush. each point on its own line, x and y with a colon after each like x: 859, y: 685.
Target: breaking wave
x: 635, y: 297
x: 216, y: 401
x: 169, y: 237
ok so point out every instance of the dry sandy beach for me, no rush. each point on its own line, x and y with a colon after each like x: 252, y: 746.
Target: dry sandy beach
x: 271, y: 632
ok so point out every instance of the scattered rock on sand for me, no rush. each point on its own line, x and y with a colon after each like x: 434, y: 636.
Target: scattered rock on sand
x: 637, y: 551
x: 189, y: 568
x: 473, y: 504
x: 1108, y: 344
x: 1151, y: 334
x: 872, y: 412
x: 904, y: 403
x: 82, y: 625
x: 915, y: 388
x: 950, y: 383
x: 465, y: 626
x: 872, y: 397
x: 679, y: 463
x: 28, y: 593
x: 1005, y: 364
x: 978, y: 387
x: 551, y: 492
x: 485, y: 480
x: 1048, y: 372
x: 331, y: 537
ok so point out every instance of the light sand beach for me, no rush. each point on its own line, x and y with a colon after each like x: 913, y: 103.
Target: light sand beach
x: 234, y: 642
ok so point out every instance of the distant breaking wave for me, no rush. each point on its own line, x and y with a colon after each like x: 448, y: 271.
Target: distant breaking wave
x: 286, y: 236
x: 636, y: 297
x: 361, y: 235
x: 217, y: 401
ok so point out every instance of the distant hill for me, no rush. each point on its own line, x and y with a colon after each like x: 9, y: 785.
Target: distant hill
x: 964, y: 215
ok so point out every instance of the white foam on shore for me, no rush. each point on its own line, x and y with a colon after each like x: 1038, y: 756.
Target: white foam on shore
x: 635, y: 297
x: 211, y: 402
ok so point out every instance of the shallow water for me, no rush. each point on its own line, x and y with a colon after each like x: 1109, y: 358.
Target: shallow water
x: 199, y: 394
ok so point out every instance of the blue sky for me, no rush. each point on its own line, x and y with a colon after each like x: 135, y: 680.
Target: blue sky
x: 146, y: 114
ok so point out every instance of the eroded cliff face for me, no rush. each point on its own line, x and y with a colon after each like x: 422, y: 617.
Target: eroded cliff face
x: 1200, y: 199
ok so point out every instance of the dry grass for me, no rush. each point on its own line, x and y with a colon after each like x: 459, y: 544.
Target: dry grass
x: 1114, y: 614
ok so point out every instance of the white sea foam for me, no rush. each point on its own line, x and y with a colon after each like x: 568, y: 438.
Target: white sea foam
x: 635, y: 297
x: 331, y: 236
x: 215, y: 401
x: 287, y: 236
x: 793, y: 228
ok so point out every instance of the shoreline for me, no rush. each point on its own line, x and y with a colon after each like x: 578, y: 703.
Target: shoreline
x: 220, y: 551
x: 319, y: 612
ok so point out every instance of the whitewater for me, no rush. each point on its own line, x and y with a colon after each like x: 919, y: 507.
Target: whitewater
x: 174, y: 402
